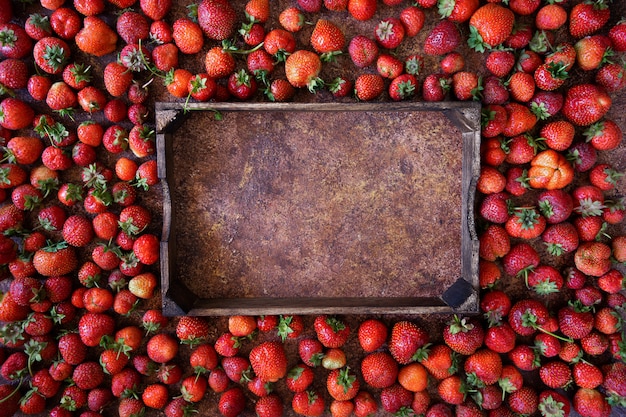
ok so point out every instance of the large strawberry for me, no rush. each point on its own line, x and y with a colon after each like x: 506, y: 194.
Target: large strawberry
x: 302, y: 69
x: 406, y: 338
x: 327, y: 39
x: 269, y: 361
x: 443, y: 38
x: 55, y: 260
x: 575, y: 320
x: 490, y: 25
x: 586, y: 104
x: 331, y: 332
x: 217, y: 18
x: 15, y: 114
x: 463, y: 335
x: 588, y: 17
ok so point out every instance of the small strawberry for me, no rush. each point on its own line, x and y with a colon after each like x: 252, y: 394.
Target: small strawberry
x: 463, y: 335
x: 442, y: 39
x: 379, y: 369
x: 362, y: 10
x: 389, y: 33
x: 368, y: 86
x: 363, y: 51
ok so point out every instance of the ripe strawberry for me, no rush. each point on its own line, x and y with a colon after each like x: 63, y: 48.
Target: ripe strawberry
x: 520, y: 119
x: 493, y: 122
x: 14, y: 41
x: 327, y: 39
x: 483, y: 367
x: 14, y: 74
x: 308, y: 403
x: 187, y: 36
x: 117, y: 79
x: 379, y: 369
x: 396, y: 398
x: 491, y: 181
x: 302, y: 69
x: 435, y: 87
x: 494, y: 243
x: 451, y: 389
x: 575, y: 320
x: 587, y: 375
x: 550, y: 17
x: 604, y: 135
x: 412, y: 18
x: 217, y: 18
x: 463, y: 335
x: 269, y: 406
x: 292, y: 19
x: 439, y: 360
x: 500, y: 62
x: 363, y: 51
x: 342, y: 385
x: 442, y: 39
x: 368, y: 86
x: 310, y: 351
x: 330, y: 331
x: 132, y: 27
x: 96, y: 37
x: 555, y: 374
x: 406, y: 339
x: 192, y: 330
x: 176, y: 81
x: 466, y: 85
x: 585, y: 104
x: 372, y: 334
x: 389, y: 33
x: 612, y: 77
x: 269, y: 361
x: 490, y: 25
x: 457, y: 10
x: 524, y: 401
x: 525, y: 223
x: 592, y: 258
x: 15, y: 114
x: 362, y: 10
x: 299, y: 378
x: 587, y: 18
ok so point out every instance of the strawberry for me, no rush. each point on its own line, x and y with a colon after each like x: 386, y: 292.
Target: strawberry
x: 292, y: 19
x: 560, y: 238
x: 363, y: 51
x: 187, y: 36
x: 592, y: 258
x: 302, y: 69
x: 500, y: 62
x: 555, y: 374
x: 451, y: 389
x: 389, y: 66
x: 590, y: 402
x: 389, y: 33
x: 269, y: 406
x: 14, y: 74
x: 146, y: 248
x: 463, y: 335
x: 520, y: 119
x: 96, y: 37
x: 308, y: 403
x: 452, y: 62
x: 457, y: 10
x: 412, y: 18
x: 143, y: 285
x: 362, y: 10
x: 524, y: 401
x: 604, y: 135
x: 491, y: 180
x: 466, y: 85
x: 379, y: 369
x: 558, y: 135
x: 483, y: 367
x: 15, y: 114
x: 493, y: 122
x: 5, y: 17
x: 604, y: 176
x: 93, y: 326
x: 550, y: 17
x: 269, y: 361
x: 217, y: 18
x: 241, y: 85
x: 342, y: 385
x: 435, y: 87
x: 494, y: 243
x: 442, y: 39
x: 299, y: 378
x: 55, y: 260
x: 612, y: 77
x: 587, y: 375
x: 368, y: 86
x: 310, y: 6
x: 327, y: 39
x: 192, y: 330
x: 396, y: 398
x: 372, y: 334
x: 406, y: 338
x: 14, y: 41
x: 575, y: 320
x: 117, y: 79
x: 237, y: 369
x: 587, y: 18
x: 331, y: 332
x: 132, y: 27
x: 592, y: 51
x: 162, y: 348
x: 490, y: 25
x: 585, y: 104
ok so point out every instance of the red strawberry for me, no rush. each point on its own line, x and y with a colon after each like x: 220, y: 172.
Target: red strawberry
x: 117, y: 79
x: 524, y: 401
x: 379, y: 370
x: 604, y: 135
x: 464, y: 335
x: 342, y: 385
x: 494, y: 243
x: 331, y: 332
x: 585, y: 104
x: 372, y: 334
x: 520, y: 119
x: 269, y: 406
x: 457, y: 10
x: 192, y: 330
x: 15, y: 114
x: 368, y: 86
x: 269, y: 361
x: 442, y: 39
x: 612, y: 77
x: 232, y: 402
x: 299, y: 378
x: 466, y: 85
x: 550, y: 17
x: 484, y: 367
x: 389, y: 33
x: 363, y: 51
x: 439, y: 360
x: 412, y: 18
x: 327, y: 39
x: 187, y: 36
x: 310, y: 351
x: 395, y: 398
x: 362, y: 9
x: 587, y: 18
x: 14, y: 41
x: 500, y: 62
x: 575, y: 320
x: 592, y: 258
x: 490, y: 25
x: 302, y: 69
x: 435, y: 87
x: 555, y: 374
x: 308, y: 403
x: 406, y: 338
x: 217, y: 18
x: 590, y: 402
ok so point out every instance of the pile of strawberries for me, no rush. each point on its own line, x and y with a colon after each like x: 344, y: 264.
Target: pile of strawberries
x: 79, y: 249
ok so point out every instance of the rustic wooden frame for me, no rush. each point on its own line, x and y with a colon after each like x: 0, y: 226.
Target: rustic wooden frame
x: 462, y: 296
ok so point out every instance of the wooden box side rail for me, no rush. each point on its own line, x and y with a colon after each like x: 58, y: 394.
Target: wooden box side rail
x: 461, y: 296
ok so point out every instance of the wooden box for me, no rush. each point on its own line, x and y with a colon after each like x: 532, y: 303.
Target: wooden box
x: 298, y: 208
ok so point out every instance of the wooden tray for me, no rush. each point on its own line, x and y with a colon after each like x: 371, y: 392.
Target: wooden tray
x: 302, y: 208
